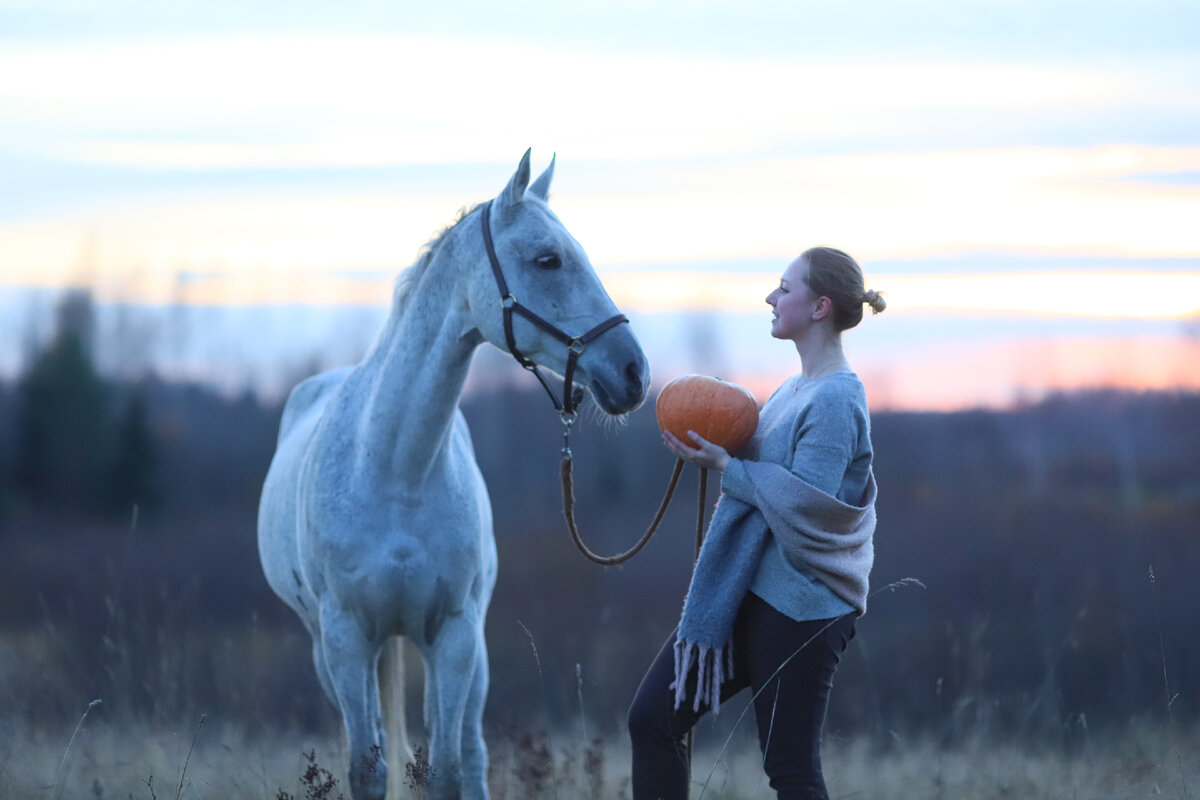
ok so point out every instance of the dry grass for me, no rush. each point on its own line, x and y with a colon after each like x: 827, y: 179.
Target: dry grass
x: 1140, y: 765
x: 190, y: 760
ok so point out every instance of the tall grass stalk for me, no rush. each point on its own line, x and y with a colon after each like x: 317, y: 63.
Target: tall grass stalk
x: 1162, y: 649
x: 62, y: 767
x: 186, y: 761
x: 545, y: 696
x: 579, y: 694
x: 1170, y: 698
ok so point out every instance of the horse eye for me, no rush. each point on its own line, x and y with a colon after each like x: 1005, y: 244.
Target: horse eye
x: 548, y: 261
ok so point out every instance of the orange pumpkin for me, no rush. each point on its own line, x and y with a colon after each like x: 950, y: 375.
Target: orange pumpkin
x: 723, y: 413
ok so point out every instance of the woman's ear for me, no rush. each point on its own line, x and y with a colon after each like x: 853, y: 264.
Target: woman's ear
x: 823, y: 309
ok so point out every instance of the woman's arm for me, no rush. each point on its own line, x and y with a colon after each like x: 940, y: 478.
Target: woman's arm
x: 821, y: 466
x: 823, y: 440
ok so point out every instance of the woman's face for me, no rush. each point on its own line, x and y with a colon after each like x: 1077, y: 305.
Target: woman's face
x: 792, y: 302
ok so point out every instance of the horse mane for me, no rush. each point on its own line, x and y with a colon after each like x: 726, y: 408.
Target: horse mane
x: 411, y: 276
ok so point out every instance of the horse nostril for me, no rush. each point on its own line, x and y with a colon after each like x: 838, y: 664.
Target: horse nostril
x: 633, y: 374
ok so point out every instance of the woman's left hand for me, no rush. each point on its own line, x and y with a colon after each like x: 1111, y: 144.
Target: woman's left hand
x: 704, y: 454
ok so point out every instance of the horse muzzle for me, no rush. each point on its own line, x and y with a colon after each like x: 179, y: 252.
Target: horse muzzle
x: 617, y: 372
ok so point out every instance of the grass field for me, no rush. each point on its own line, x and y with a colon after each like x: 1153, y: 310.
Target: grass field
x: 206, y: 759
x: 214, y: 715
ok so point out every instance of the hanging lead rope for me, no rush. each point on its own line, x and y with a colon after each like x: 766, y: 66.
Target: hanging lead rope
x: 568, y: 494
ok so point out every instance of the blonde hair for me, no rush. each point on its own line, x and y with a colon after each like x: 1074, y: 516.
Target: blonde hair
x: 834, y: 274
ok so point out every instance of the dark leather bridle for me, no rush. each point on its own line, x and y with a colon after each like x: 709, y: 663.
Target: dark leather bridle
x: 575, y: 344
x: 566, y: 407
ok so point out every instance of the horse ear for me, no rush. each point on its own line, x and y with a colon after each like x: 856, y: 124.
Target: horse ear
x: 514, y: 192
x: 541, y: 187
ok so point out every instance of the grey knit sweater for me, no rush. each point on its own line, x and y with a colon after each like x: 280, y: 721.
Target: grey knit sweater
x: 816, y: 433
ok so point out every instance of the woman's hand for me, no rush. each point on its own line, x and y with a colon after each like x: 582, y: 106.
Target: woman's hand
x: 705, y: 454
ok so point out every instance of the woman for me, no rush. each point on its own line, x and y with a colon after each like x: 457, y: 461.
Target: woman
x: 783, y: 572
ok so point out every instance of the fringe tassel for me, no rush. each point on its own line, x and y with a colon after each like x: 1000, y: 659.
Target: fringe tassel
x: 713, y: 666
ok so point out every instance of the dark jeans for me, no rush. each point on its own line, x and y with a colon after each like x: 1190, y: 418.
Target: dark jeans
x: 789, y: 711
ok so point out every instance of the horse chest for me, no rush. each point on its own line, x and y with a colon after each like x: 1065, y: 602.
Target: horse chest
x: 385, y: 544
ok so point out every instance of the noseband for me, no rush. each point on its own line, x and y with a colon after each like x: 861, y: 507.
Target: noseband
x: 575, y: 344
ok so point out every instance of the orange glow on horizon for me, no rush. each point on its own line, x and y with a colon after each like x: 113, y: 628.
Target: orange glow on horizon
x: 1001, y: 374
x: 993, y: 375
x: 1145, y: 295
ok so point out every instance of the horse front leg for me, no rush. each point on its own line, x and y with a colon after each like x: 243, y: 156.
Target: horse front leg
x: 351, y: 663
x: 323, y: 671
x: 452, y: 685
x: 474, y: 749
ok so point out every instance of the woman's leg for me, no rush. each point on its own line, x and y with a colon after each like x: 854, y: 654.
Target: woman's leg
x: 661, y: 768
x: 791, y: 666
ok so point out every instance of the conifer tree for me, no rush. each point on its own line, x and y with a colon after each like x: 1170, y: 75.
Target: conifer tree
x: 62, y: 415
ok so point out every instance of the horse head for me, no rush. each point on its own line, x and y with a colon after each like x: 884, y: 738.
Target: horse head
x: 546, y: 273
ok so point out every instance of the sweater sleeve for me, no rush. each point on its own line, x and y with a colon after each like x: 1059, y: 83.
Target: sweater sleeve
x: 823, y: 439
x: 736, y: 483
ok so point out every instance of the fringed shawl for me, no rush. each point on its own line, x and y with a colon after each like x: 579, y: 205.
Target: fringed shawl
x: 814, y: 530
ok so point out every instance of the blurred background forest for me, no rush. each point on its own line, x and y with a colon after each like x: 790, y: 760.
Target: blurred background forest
x: 1055, y: 545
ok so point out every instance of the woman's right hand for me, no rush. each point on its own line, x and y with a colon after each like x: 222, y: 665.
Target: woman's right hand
x: 705, y: 454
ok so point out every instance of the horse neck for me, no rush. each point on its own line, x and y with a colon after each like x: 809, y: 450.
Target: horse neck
x: 413, y: 377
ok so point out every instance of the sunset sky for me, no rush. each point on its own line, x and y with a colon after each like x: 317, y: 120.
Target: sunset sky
x: 240, y: 182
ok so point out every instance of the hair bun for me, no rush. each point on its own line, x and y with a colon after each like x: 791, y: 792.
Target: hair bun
x: 875, y: 300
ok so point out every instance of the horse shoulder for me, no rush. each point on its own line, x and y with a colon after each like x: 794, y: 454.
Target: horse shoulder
x: 309, y: 394
x: 463, y: 431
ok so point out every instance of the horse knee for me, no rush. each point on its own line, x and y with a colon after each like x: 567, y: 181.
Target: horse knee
x: 323, y: 678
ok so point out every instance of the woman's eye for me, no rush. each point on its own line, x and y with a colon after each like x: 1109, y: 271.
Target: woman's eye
x: 548, y: 262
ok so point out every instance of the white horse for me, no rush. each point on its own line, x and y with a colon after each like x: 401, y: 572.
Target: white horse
x: 375, y: 523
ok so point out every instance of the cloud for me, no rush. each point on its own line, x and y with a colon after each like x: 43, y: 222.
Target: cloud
x: 310, y: 100
x: 1062, y: 201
